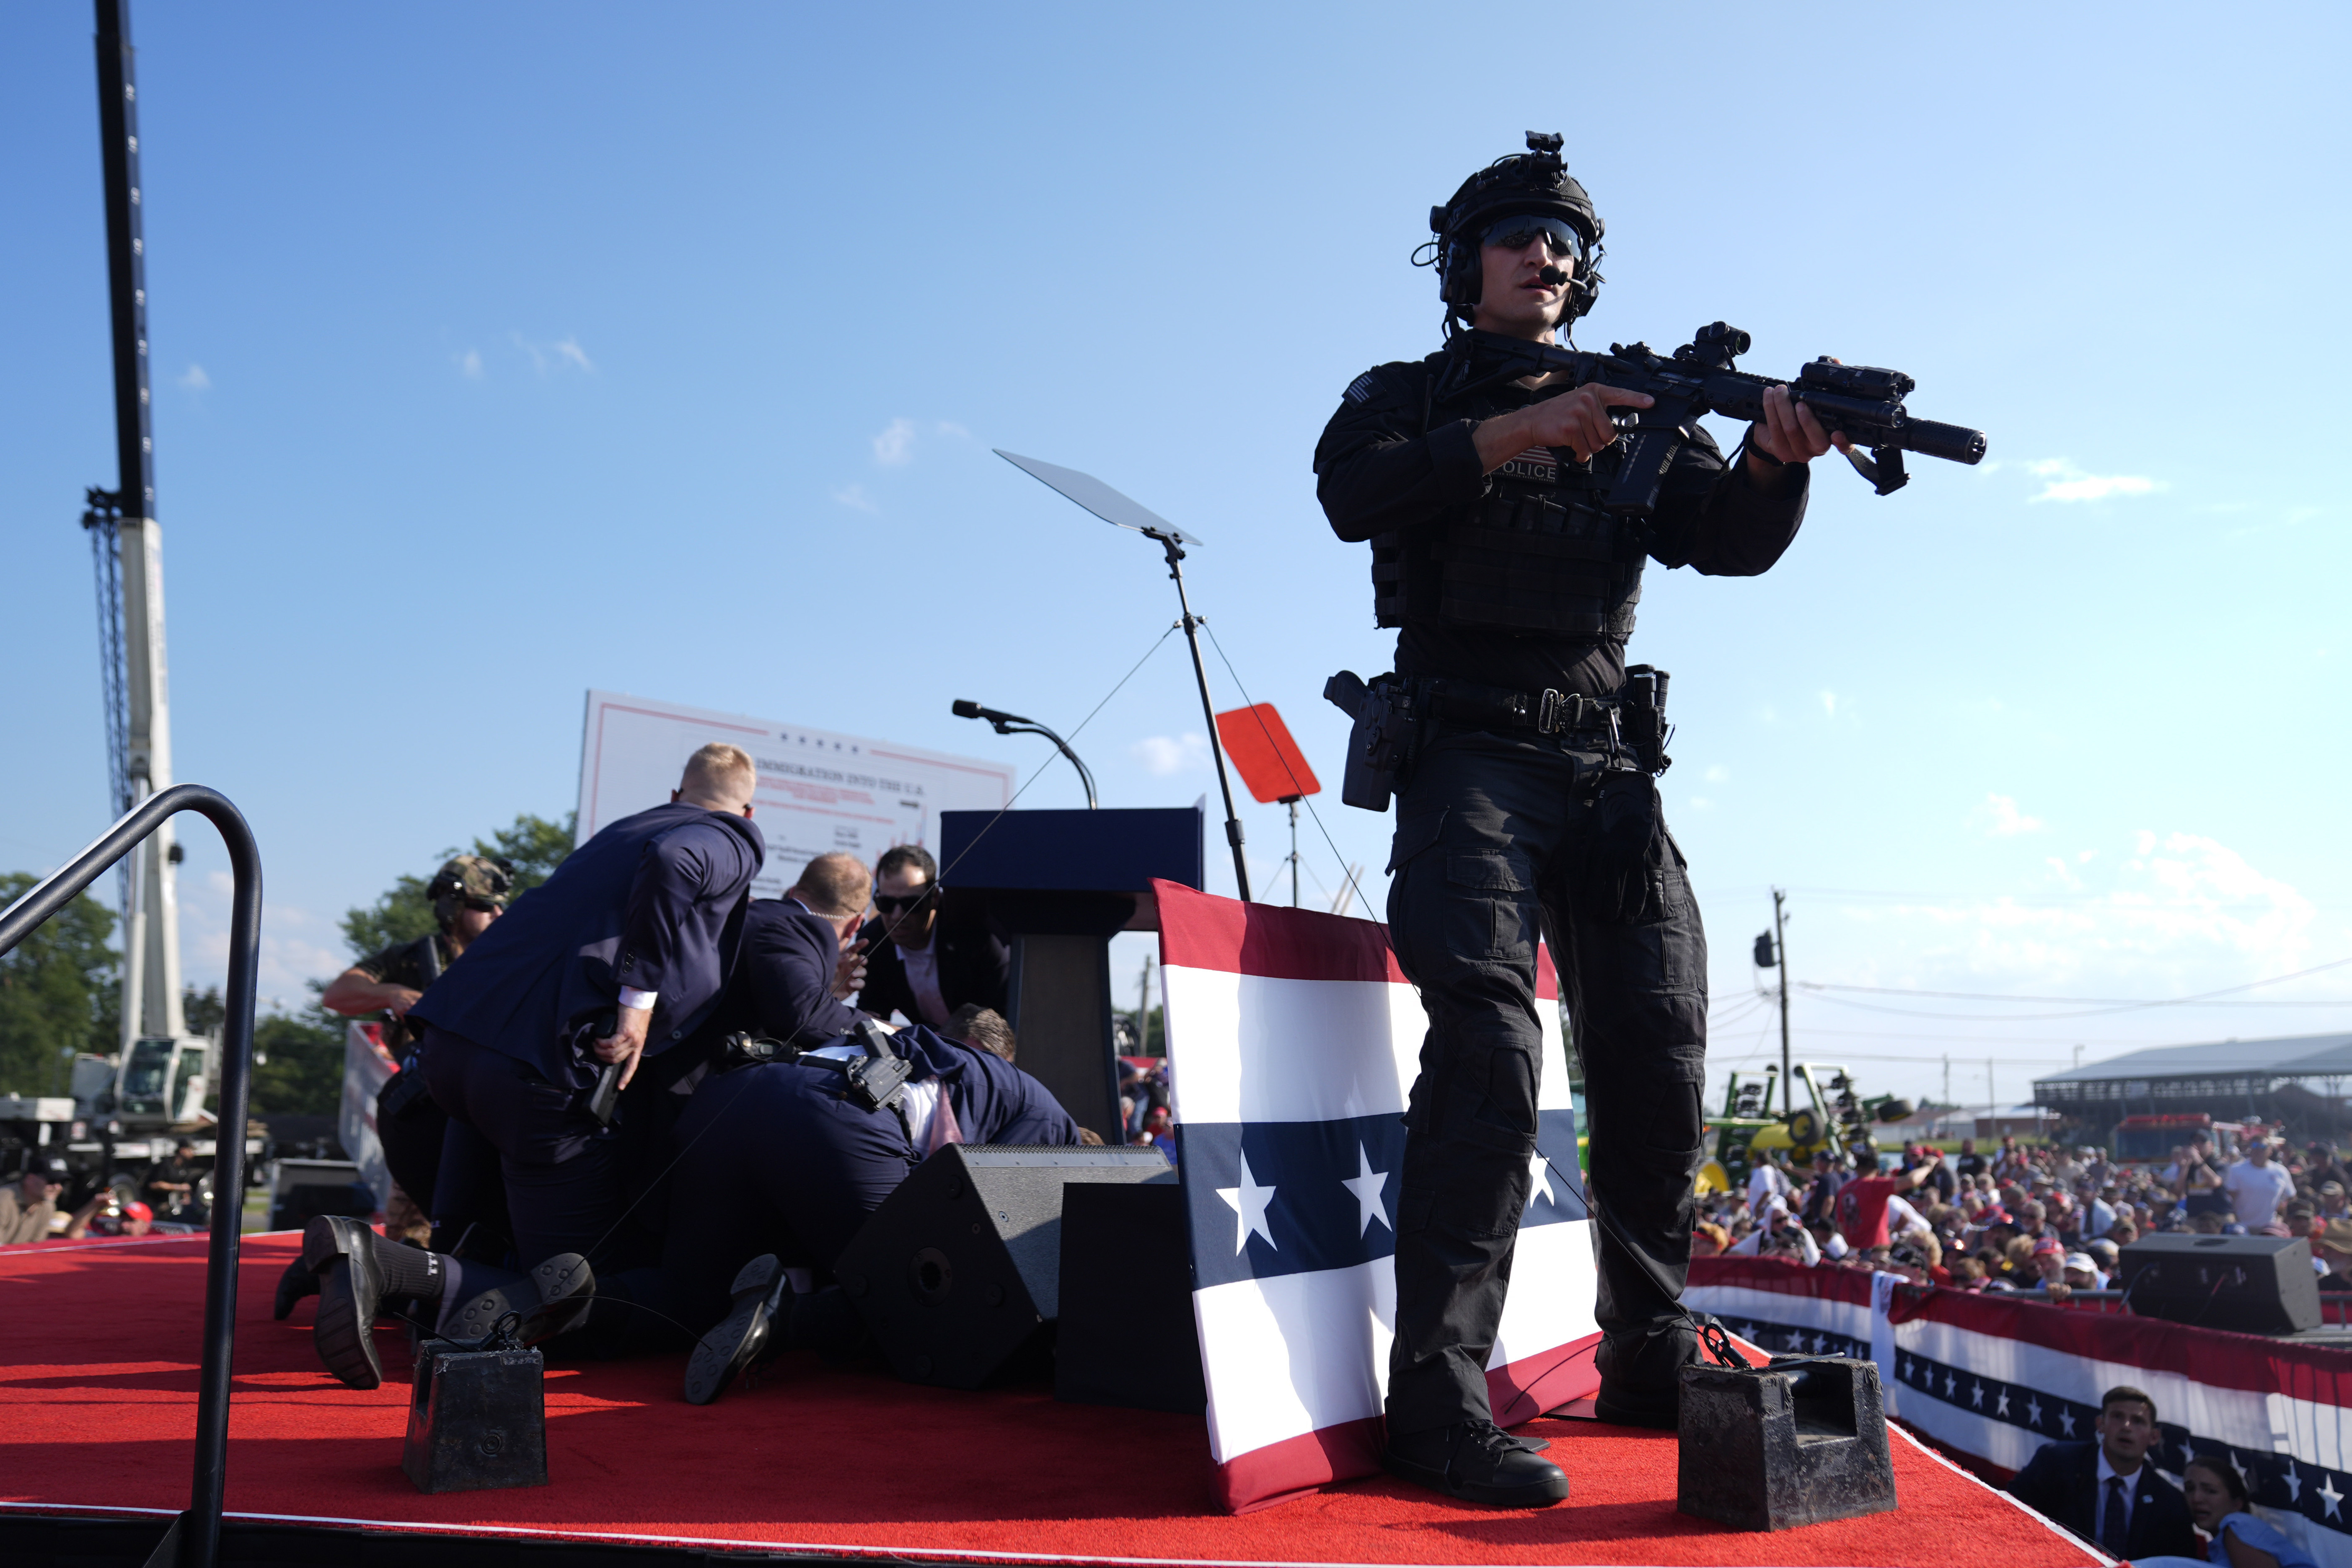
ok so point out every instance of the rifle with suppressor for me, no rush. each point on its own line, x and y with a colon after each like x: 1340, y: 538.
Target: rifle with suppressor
x: 1863, y: 401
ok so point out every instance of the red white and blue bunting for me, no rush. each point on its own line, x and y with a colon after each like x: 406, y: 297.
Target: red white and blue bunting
x: 1995, y: 1376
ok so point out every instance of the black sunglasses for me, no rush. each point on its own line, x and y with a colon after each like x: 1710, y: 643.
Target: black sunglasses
x: 1518, y: 233
x: 889, y: 905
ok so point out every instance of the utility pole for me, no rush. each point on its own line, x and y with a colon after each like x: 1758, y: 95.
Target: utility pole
x: 1780, y: 950
x: 1948, y: 1078
x: 129, y: 545
x: 1143, y: 1011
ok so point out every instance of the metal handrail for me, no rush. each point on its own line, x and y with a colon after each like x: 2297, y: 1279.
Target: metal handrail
x: 194, y: 1540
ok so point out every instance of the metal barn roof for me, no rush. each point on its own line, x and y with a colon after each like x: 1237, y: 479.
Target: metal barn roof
x: 2297, y: 1056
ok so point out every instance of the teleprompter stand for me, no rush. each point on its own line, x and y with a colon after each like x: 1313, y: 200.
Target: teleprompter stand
x: 1121, y: 512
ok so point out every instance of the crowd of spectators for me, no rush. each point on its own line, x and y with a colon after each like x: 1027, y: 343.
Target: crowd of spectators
x: 2045, y: 1219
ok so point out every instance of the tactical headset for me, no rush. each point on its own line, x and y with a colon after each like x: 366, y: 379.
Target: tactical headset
x: 1535, y: 182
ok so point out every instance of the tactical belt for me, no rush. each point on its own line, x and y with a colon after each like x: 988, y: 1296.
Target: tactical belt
x: 1547, y: 713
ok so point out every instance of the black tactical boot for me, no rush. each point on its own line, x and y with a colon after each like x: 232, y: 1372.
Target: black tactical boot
x: 1642, y: 1375
x: 351, y: 1283
x: 550, y: 1300
x: 1477, y: 1461
x: 720, y: 1355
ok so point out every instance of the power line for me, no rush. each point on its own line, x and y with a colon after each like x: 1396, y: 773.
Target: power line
x: 2116, y: 1001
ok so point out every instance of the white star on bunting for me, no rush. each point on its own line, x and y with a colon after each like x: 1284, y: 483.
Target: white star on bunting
x: 2033, y: 1410
x: 2327, y: 1489
x: 1249, y: 1202
x: 1366, y: 1184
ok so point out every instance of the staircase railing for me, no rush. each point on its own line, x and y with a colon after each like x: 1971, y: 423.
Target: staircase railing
x: 193, y: 1538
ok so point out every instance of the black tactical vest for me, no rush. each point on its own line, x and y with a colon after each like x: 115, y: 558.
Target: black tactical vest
x: 1533, y: 556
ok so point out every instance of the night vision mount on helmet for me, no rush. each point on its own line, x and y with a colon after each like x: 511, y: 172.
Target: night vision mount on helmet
x: 1533, y: 182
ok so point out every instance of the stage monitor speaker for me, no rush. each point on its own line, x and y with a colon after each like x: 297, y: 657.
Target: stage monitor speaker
x: 961, y: 1267
x: 2251, y: 1284
x: 1126, y: 1335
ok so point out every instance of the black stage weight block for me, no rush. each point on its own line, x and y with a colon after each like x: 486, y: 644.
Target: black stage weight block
x: 2253, y: 1284
x: 961, y: 1267
x: 1797, y: 1441
x: 476, y: 1419
x: 1126, y: 1335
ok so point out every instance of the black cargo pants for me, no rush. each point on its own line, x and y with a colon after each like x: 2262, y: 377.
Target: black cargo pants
x: 1494, y: 842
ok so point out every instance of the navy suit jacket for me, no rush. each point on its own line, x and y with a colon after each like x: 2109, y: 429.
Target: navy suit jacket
x: 975, y: 964
x: 784, y: 980
x: 2061, y: 1483
x: 656, y: 901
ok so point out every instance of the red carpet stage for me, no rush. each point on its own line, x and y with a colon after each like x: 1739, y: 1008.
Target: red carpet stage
x: 97, y: 1375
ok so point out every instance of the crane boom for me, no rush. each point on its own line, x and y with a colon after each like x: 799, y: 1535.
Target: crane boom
x: 129, y: 545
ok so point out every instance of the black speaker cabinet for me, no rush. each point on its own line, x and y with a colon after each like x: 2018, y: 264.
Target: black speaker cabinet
x: 1126, y: 1335
x: 2253, y: 1284
x: 961, y: 1267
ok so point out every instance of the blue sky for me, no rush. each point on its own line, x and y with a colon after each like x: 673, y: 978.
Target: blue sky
x: 503, y: 353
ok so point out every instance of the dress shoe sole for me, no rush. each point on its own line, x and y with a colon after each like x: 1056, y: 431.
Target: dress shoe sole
x: 720, y: 1355
x: 1541, y: 1494
x: 344, y: 1334
x: 549, y: 1300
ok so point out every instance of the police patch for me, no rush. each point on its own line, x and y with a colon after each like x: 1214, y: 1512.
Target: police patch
x: 1360, y: 389
x: 1535, y: 463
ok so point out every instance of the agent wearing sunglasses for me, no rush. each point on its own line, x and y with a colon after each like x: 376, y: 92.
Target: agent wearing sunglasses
x: 1512, y: 592
x: 926, y: 953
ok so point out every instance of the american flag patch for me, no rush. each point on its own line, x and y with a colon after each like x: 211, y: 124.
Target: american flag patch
x: 1360, y: 389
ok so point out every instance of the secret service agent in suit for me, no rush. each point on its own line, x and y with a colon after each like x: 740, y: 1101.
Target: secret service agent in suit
x: 781, y: 1165
x: 927, y: 952
x: 2105, y: 1491
x: 640, y: 924
x: 791, y: 976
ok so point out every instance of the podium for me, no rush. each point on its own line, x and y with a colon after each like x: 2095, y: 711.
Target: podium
x: 1060, y: 885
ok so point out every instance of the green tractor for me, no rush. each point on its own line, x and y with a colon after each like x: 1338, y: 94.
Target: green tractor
x: 1837, y: 1119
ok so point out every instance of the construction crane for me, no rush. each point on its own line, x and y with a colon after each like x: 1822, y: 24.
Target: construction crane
x: 127, y: 543
x: 157, y: 1081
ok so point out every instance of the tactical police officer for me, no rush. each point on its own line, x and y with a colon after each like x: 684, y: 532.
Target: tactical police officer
x: 1521, y: 808
x: 466, y: 893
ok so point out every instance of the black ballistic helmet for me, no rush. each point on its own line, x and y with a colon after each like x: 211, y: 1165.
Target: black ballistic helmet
x: 1534, y: 181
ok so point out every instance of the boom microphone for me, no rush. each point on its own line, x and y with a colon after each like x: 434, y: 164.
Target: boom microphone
x: 1554, y: 275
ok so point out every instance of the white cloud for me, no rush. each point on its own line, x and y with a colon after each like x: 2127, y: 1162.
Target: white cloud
x: 555, y: 355
x: 469, y: 365
x: 2061, y: 480
x: 194, y: 379
x: 895, y: 448
x: 2190, y: 915
x: 950, y: 428
x: 854, y: 496
x: 2003, y: 820
x: 1717, y: 773
x: 1829, y: 703
x: 1164, y: 754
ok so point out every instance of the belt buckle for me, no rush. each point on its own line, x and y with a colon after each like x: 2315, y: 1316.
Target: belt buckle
x: 1548, y: 711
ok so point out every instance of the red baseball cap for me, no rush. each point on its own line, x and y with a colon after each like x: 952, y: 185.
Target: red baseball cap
x: 2046, y: 1244
x: 134, y: 1209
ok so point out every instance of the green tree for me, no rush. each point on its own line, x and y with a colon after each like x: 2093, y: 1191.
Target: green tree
x: 534, y: 845
x: 53, y: 991
x: 298, y: 1068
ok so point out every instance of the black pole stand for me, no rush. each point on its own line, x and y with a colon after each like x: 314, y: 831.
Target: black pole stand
x: 1293, y: 803
x: 193, y: 1538
x: 1014, y: 724
x: 1208, y: 708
